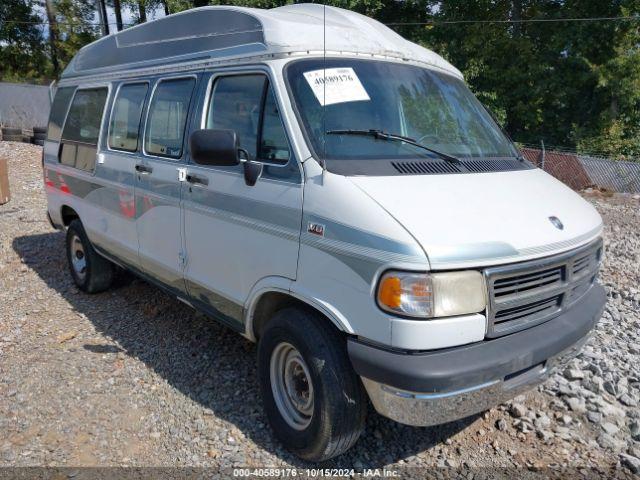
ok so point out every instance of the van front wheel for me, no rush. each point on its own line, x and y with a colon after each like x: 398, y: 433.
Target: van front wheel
x: 313, y: 399
x: 90, y: 272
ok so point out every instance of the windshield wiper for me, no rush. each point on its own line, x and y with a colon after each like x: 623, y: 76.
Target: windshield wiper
x: 382, y: 135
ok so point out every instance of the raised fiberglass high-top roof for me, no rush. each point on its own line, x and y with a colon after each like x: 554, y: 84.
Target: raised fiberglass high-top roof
x: 215, y: 33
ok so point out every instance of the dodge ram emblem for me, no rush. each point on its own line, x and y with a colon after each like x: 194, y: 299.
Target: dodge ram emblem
x: 556, y: 223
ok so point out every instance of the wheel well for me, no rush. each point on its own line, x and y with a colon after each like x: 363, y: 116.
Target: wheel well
x: 270, y: 303
x: 68, y: 215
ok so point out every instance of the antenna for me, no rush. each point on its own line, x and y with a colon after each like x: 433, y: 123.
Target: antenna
x: 324, y: 89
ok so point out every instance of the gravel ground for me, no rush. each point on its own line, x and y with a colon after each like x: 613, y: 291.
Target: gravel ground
x: 132, y: 377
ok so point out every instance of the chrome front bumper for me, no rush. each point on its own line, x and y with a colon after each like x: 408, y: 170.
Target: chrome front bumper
x: 426, y: 409
x: 434, y: 387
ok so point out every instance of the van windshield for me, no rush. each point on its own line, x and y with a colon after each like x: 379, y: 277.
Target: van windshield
x: 432, y: 108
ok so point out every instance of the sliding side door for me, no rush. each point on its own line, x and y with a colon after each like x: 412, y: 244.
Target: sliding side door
x: 158, y: 186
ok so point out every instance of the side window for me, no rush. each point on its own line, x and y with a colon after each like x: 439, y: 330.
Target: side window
x: 124, y: 125
x: 82, y: 129
x: 167, y: 117
x: 58, y: 111
x: 246, y: 104
x: 235, y: 105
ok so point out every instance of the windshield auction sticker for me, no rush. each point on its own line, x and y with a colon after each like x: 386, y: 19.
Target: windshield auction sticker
x: 336, y: 85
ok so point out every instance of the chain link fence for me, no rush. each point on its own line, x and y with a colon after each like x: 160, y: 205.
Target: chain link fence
x: 619, y: 176
x: 583, y: 171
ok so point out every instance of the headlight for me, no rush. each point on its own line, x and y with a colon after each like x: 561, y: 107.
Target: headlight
x: 429, y: 295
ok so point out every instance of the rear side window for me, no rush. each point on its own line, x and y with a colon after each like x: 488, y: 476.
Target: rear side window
x: 58, y: 111
x: 124, y: 126
x: 82, y: 129
x: 168, y: 116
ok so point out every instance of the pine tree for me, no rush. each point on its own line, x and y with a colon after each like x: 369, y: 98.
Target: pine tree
x: 21, y: 42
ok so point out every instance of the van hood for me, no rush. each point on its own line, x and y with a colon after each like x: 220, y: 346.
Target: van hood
x: 475, y: 220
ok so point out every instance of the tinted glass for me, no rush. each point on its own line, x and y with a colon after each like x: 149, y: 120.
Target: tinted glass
x: 433, y: 108
x: 58, y: 111
x: 235, y: 105
x: 125, y: 117
x: 82, y: 129
x: 273, y: 142
x: 168, y: 116
x: 85, y: 116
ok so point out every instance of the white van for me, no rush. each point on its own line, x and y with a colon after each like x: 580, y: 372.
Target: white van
x: 333, y: 192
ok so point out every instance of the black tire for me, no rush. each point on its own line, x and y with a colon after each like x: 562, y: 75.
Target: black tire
x: 40, y: 130
x: 98, y: 272
x: 11, y: 131
x: 39, y: 136
x: 11, y: 138
x: 37, y: 141
x: 339, y: 399
x: 27, y: 139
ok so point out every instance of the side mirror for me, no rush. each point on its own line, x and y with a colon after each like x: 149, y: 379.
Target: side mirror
x: 221, y: 148
x: 214, y: 147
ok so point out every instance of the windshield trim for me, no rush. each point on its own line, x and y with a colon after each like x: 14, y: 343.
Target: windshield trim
x: 340, y: 166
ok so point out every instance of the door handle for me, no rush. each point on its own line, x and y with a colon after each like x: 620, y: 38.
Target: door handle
x: 143, y: 168
x: 191, y: 178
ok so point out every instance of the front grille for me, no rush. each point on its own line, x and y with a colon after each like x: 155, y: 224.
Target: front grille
x: 504, y: 287
x: 526, y: 294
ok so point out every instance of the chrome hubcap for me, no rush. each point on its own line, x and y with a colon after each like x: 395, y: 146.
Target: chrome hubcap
x: 78, y: 258
x: 291, y: 386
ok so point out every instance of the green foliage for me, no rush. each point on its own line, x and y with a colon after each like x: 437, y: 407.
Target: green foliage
x: 572, y: 84
x: 21, y: 54
x: 75, y: 27
x: 179, y: 5
x: 617, y: 124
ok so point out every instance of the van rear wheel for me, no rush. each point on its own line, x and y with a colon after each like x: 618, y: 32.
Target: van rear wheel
x: 90, y: 272
x: 312, y: 397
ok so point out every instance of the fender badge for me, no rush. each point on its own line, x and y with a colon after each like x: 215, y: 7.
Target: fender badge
x: 316, y: 228
x: 556, y: 222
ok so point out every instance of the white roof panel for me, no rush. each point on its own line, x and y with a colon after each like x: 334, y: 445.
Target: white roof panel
x: 235, y: 32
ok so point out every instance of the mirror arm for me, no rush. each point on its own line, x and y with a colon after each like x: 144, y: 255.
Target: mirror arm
x: 243, y: 156
x: 252, y: 170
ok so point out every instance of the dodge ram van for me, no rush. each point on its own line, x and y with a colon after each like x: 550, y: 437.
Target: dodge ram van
x: 334, y: 193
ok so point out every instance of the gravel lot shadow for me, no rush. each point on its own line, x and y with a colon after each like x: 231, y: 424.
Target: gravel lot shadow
x: 206, y: 362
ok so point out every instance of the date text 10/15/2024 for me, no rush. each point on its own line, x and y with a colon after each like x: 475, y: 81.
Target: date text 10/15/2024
x: 315, y: 472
